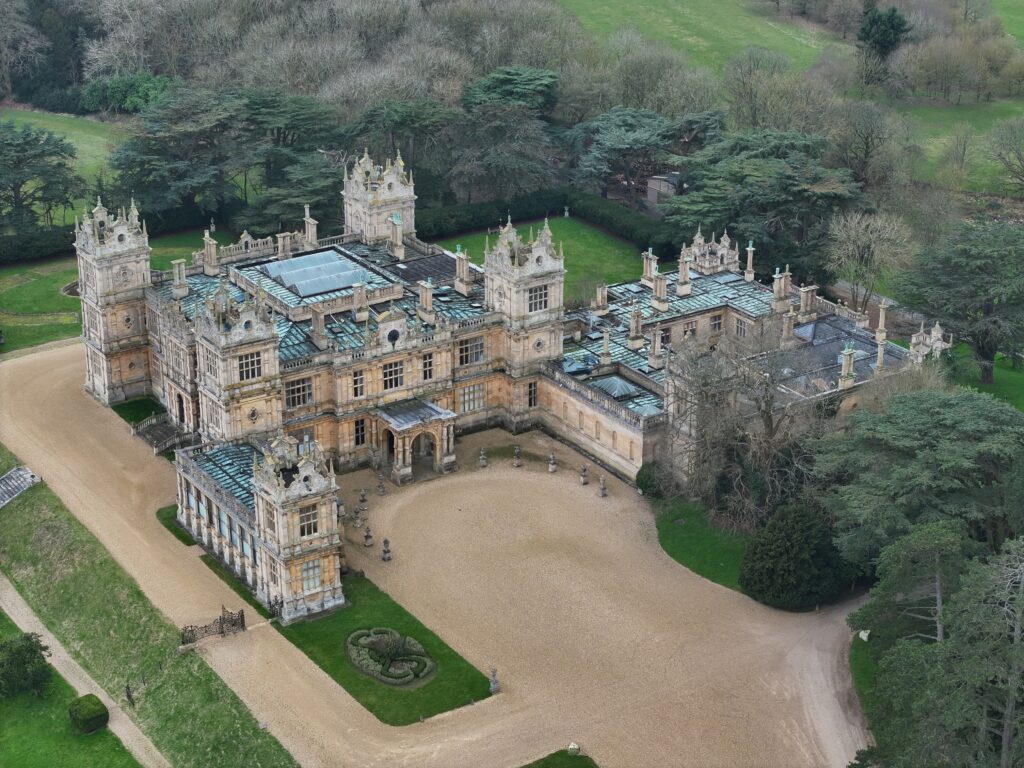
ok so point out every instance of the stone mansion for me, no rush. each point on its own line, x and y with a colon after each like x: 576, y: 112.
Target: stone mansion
x: 285, y: 359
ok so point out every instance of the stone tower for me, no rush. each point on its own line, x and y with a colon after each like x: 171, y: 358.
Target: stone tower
x: 298, y: 515
x: 379, y: 200
x: 238, y: 367
x: 113, y: 268
x: 524, y: 281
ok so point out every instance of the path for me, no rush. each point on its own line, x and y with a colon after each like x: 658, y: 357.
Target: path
x: 133, y: 739
x: 598, y: 636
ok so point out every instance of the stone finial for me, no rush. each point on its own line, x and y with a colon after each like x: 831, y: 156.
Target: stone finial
x: 846, y: 377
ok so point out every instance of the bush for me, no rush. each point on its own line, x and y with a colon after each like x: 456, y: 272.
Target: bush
x: 124, y: 93
x: 792, y: 563
x: 434, y: 223
x: 652, y: 480
x: 23, y: 665
x: 38, y: 243
x: 620, y: 220
x: 88, y: 713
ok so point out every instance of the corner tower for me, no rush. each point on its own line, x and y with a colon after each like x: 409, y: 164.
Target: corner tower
x: 377, y: 198
x: 113, y: 274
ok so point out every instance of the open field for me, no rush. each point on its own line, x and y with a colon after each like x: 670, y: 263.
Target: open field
x: 556, y: 574
x: 1012, y: 14
x: 36, y: 732
x: 591, y: 256
x: 709, y: 32
x: 98, y: 612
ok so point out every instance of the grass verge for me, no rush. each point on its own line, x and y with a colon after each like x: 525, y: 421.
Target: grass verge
x: 454, y: 684
x: 232, y: 581
x: 101, y: 616
x: 134, y: 411
x: 168, y: 517
x: 36, y: 732
x: 563, y: 759
x: 688, y: 538
x: 591, y: 256
x: 864, y: 672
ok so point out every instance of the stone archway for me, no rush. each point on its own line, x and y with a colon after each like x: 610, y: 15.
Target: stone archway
x: 425, y: 457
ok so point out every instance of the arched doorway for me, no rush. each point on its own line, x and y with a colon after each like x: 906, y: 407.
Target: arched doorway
x: 424, y: 461
x: 181, y: 409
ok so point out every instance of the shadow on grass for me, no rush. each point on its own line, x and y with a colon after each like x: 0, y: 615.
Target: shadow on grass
x: 134, y: 411
x: 169, y: 520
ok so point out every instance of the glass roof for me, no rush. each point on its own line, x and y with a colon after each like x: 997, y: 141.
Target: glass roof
x: 316, y: 273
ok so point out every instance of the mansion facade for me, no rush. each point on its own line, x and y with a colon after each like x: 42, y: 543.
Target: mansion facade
x: 284, y: 360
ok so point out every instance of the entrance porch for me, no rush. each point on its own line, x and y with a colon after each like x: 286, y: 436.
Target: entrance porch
x: 416, y: 432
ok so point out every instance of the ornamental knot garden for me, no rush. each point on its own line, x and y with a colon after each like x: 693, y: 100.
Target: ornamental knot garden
x: 285, y: 360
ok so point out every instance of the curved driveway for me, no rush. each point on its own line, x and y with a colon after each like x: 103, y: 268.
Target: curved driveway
x: 598, y: 636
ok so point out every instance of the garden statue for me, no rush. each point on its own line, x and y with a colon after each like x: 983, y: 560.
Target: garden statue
x: 483, y: 459
x: 385, y: 554
x: 552, y: 466
x: 516, y: 460
x: 367, y: 537
x: 573, y: 748
x: 602, y: 491
x: 362, y: 496
x: 565, y: 214
x: 495, y: 687
x: 583, y: 475
x: 380, y: 485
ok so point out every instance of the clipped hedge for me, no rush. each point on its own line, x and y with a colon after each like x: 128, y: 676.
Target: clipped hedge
x: 36, y: 244
x: 641, y: 230
x: 88, y: 713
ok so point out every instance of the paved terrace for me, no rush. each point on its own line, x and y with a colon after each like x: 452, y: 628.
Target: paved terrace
x: 597, y: 635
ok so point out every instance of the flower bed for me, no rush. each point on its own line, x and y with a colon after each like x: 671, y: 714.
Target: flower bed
x: 387, y: 656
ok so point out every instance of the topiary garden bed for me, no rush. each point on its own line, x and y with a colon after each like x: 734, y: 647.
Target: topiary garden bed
x: 388, y: 656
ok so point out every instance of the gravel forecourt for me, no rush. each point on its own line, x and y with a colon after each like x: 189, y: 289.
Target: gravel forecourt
x: 598, y: 636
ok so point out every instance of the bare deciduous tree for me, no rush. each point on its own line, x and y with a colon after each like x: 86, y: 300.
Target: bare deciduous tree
x: 21, y: 45
x: 1007, y: 142
x: 863, y: 247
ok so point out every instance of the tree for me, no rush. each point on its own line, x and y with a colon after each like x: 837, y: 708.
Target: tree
x: 749, y: 80
x: 23, y: 665
x: 1007, y: 139
x: 534, y: 89
x: 21, y: 45
x: 917, y: 574
x: 844, y: 15
x: 626, y: 144
x: 501, y: 151
x: 973, y: 284
x: 863, y: 248
x: 864, y: 140
x: 771, y: 186
x: 36, y: 175
x: 792, y: 563
x: 883, y: 31
x: 928, y: 456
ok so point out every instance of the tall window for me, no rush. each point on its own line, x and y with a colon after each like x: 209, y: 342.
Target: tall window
x: 531, y: 394
x: 358, y: 384
x: 249, y: 366
x: 308, y: 522
x: 360, y: 432
x: 270, y: 519
x: 311, y: 576
x: 305, y: 437
x: 716, y: 323
x: 471, y: 398
x: 537, y: 298
x: 428, y: 366
x: 394, y: 375
x: 741, y: 328
x: 471, y: 350
x: 666, y: 336
x: 689, y: 328
x: 298, y: 392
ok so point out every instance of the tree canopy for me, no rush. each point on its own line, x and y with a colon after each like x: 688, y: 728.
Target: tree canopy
x: 528, y: 87
x: 973, y: 284
x: 37, y: 177
x: 883, y: 31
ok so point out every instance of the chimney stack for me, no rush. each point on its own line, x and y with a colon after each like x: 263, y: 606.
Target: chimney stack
x: 636, y: 334
x: 317, y: 328
x: 655, y: 355
x: 284, y: 246
x: 360, y: 307
x: 425, y: 307
x: 846, y: 378
x: 600, y: 305
x: 748, y: 273
x: 683, y: 284
x: 659, y: 294
x: 650, y: 268
x: 179, y: 286
x: 310, y: 234
x: 397, y: 246
x: 606, y: 351
x: 463, y: 274
x: 807, y: 293
x: 210, y: 266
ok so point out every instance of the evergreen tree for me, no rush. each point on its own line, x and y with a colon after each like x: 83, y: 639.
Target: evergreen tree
x: 37, y: 177
x: 883, y: 31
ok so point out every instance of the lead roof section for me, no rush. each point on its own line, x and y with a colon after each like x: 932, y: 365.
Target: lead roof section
x: 230, y: 466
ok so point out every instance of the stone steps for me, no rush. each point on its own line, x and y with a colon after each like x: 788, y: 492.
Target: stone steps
x: 14, y: 483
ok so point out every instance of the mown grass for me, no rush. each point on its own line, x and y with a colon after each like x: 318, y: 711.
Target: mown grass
x: 32, y: 308
x: 455, y: 683
x: 168, y: 517
x: 232, y: 581
x: 591, y: 256
x: 709, y: 32
x: 1012, y: 14
x: 181, y: 245
x: 864, y: 673
x: 36, y: 732
x: 688, y: 538
x: 101, y: 616
x: 1007, y: 384
x: 563, y: 759
x: 134, y: 411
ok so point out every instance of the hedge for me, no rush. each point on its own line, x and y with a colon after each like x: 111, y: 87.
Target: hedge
x: 88, y: 713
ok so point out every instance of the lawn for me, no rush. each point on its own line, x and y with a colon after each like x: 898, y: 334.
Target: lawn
x: 454, y: 684
x: 32, y: 308
x: 134, y: 411
x: 709, y: 32
x: 98, y: 612
x: 180, y: 245
x: 563, y: 759
x: 36, y: 732
x: 1008, y: 383
x: 168, y: 517
x: 590, y: 254
x: 688, y: 538
x: 1012, y: 14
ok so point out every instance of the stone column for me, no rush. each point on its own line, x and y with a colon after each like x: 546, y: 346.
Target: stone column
x: 748, y: 273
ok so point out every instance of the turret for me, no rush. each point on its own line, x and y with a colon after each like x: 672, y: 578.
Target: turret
x: 373, y: 195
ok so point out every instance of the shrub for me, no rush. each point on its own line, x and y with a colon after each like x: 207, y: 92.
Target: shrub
x: 653, y: 480
x: 125, y: 93
x: 23, y: 665
x: 36, y: 243
x: 433, y: 223
x: 792, y: 563
x: 88, y: 713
